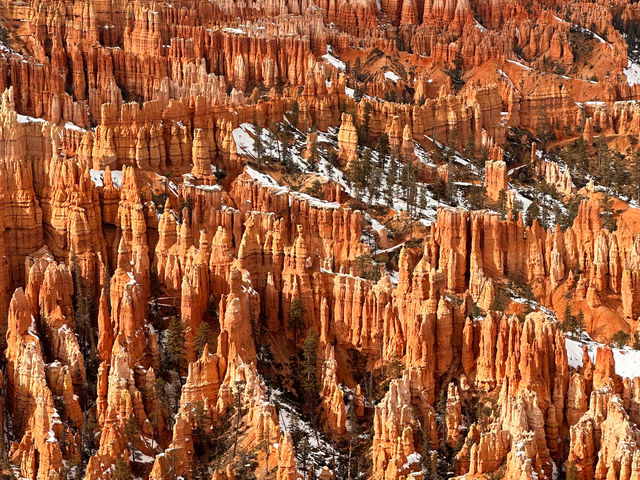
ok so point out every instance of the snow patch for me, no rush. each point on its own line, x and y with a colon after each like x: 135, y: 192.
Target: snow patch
x: 627, y: 360
x: 633, y: 73
x: 336, y: 62
x: 519, y: 64
x: 97, y: 177
x: 389, y: 75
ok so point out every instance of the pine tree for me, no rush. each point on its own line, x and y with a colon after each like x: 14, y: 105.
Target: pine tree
x: 122, y: 471
x: 5, y: 465
x: 391, y: 181
x: 155, y: 416
x: 294, y: 114
x: 277, y: 131
x: 383, y: 150
x: 363, y: 130
x: 286, y: 137
x: 201, y: 338
x: 425, y: 451
x: 132, y: 431
x: 172, y: 473
x: 295, y: 318
x: 84, y: 308
x: 200, y: 431
x: 309, y: 382
x: 87, y: 434
x: 245, y: 466
x: 572, y: 471
x: 258, y: 146
x: 238, y: 391
x: 313, y: 153
x: 453, y: 138
x: 579, y: 324
x: 607, y: 215
x: 470, y: 146
x: 502, y: 204
x: 365, y: 170
x: 265, y: 446
x: 620, y: 339
x: 533, y: 212
x: 176, y: 344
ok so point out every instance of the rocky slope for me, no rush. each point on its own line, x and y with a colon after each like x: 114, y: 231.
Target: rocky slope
x: 343, y: 239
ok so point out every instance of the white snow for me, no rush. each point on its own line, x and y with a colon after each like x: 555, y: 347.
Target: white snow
x: 519, y: 64
x: 116, y: 178
x: 389, y: 75
x: 73, y: 126
x: 28, y: 119
x: 97, y: 177
x: 336, y: 62
x: 411, y: 459
x: 269, y: 181
x: 633, y: 73
x: 234, y: 30
x: 244, y: 142
x: 627, y: 360
x: 505, y: 76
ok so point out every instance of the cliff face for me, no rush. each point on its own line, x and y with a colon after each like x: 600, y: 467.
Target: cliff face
x: 229, y: 246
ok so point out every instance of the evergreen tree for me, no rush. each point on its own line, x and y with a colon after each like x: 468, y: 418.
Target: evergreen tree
x: 572, y: 471
x: 425, y: 450
x: 533, y: 212
x: 363, y: 138
x: 286, y: 137
x: 245, y: 466
x: 309, y: 382
x: 453, y: 138
x: 313, y: 153
x: 502, y: 204
x: 579, y: 324
x: 303, y: 452
x: 276, y: 129
x: 201, y: 338
x: 258, y: 146
x: 238, y: 391
x: 176, y: 344
x: 172, y: 461
x: 122, y: 471
x: 365, y: 168
x: 132, y: 431
x: 607, y: 216
x: 383, y: 150
x: 439, y: 189
x: 5, y: 465
x: 470, y: 146
x: 84, y: 308
x: 295, y: 318
x: 620, y: 339
x: 375, y: 178
x: 87, y: 434
x: 201, y: 443
x: 294, y: 113
x: 265, y: 445
x: 155, y: 416
x: 391, y: 181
